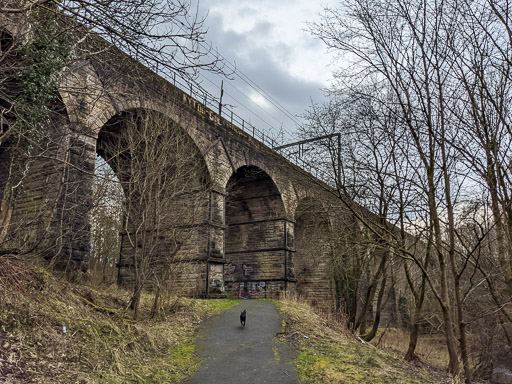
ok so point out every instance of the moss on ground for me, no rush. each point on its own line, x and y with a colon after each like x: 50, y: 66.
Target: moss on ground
x: 58, y: 332
x: 329, y: 354
x: 353, y: 363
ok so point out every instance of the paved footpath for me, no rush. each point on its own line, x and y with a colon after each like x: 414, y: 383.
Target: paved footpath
x: 249, y: 355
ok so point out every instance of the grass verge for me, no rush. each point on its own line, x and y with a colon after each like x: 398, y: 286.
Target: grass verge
x: 328, y: 354
x: 58, y: 332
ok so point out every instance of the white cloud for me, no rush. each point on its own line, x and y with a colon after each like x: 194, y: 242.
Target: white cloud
x: 278, y: 29
x: 260, y: 101
x: 268, y: 42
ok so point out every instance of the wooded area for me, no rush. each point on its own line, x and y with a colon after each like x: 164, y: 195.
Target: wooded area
x: 421, y: 103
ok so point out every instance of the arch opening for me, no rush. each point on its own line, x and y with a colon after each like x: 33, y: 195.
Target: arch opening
x: 106, y: 222
x: 165, y: 184
x: 313, y: 266
x: 256, y: 249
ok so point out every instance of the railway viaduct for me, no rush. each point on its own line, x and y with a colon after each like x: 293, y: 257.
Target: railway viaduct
x: 262, y: 225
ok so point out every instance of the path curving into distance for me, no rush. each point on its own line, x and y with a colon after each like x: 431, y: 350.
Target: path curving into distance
x: 250, y: 355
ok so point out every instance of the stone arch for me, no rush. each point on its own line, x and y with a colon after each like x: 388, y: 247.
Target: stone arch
x: 256, y: 251
x: 168, y: 160
x: 283, y: 185
x: 114, y: 126
x: 103, y: 106
x: 101, y: 115
x: 312, y: 260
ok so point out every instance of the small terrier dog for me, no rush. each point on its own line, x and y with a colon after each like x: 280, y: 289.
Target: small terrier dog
x: 243, y: 315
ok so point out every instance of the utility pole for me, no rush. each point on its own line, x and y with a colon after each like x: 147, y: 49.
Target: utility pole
x: 221, y: 94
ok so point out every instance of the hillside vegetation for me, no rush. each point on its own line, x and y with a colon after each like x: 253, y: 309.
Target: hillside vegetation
x: 55, y: 331
x: 328, y: 353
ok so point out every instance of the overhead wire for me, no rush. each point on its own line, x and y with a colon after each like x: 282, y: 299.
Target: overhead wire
x: 259, y: 91
x: 247, y: 108
x: 283, y: 127
x: 265, y: 94
x: 207, y: 96
x: 254, y: 86
x: 241, y: 104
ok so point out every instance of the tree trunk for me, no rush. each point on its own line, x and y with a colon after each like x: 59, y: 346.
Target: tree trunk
x: 156, y: 302
x: 135, y: 301
x: 5, y: 213
x: 453, y: 364
x: 370, y: 294
x: 375, y: 326
x: 415, y: 323
x: 462, y: 334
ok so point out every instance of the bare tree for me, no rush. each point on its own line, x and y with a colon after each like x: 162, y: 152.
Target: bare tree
x: 106, y: 223
x: 40, y: 41
x: 165, y: 184
x: 444, y: 67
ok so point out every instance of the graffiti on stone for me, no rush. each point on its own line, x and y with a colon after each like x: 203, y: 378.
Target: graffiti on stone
x: 216, y: 276
x: 247, y: 270
x: 252, y: 289
x: 229, y: 269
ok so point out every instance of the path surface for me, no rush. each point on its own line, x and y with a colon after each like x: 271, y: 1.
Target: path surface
x: 249, y: 355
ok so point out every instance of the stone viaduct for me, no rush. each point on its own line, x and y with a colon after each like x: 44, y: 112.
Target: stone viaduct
x: 263, y: 222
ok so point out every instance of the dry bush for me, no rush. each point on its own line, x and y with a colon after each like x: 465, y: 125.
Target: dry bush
x: 15, y: 276
x: 54, y: 331
x: 431, y: 349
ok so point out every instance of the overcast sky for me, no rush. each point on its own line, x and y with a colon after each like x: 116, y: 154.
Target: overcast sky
x: 268, y: 42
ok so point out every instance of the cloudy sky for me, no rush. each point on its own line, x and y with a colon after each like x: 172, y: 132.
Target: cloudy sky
x: 268, y: 42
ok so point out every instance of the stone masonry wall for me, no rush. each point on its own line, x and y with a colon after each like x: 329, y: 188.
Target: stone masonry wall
x: 247, y: 234
x: 255, y: 236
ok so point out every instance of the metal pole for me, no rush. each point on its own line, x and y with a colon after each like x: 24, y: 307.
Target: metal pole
x: 338, y: 184
x: 221, y: 94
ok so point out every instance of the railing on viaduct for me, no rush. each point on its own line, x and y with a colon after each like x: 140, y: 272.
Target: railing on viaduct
x: 212, y: 102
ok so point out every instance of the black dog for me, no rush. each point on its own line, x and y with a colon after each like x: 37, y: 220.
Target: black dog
x: 243, y: 315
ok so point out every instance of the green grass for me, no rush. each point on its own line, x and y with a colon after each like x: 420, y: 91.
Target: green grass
x: 102, y: 342
x: 332, y: 356
x: 217, y: 306
x: 353, y: 363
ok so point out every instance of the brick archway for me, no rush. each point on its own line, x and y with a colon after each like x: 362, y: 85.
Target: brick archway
x: 167, y: 190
